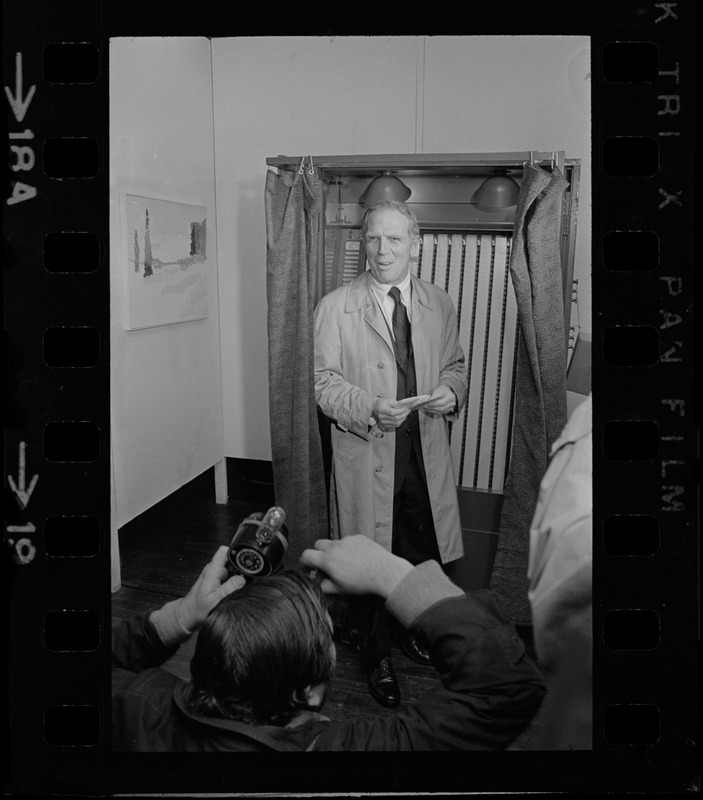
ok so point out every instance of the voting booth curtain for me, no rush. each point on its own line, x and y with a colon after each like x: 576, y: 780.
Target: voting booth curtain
x: 293, y: 219
x: 540, y: 389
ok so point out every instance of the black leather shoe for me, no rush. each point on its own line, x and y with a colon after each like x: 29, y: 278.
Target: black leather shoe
x: 413, y: 649
x: 383, y: 683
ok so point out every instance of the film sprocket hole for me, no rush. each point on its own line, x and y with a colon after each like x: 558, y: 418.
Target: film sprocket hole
x: 258, y: 546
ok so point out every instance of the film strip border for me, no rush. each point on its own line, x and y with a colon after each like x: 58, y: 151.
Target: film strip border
x: 645, y: 548
x: 57, y: 524
x: 57, y: 450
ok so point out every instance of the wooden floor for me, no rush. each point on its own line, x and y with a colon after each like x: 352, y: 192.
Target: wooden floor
x: 163, y: 550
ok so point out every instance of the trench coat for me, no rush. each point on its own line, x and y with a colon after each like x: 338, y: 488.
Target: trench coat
x: 355, y: 364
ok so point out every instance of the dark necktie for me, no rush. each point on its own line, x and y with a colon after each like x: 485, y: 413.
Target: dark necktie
x: 401, y: 328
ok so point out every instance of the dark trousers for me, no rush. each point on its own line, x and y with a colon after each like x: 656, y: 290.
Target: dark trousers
x: 414, y: 538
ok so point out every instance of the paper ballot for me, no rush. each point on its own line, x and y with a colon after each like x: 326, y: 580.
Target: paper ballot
x: 414, y: 402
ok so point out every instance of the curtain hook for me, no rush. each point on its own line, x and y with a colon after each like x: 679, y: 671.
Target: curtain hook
x: 312, y: 168
x: 300, y: 169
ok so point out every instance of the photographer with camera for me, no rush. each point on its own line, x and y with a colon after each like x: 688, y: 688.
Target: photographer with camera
x: 265, y: 657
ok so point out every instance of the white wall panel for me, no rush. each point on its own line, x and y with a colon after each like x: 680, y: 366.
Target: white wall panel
x: 288, y: 96
x: 165, y: 381
x: 507, y: 93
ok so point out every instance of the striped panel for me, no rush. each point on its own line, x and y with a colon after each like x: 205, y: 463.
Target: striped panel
x: 474, y: 269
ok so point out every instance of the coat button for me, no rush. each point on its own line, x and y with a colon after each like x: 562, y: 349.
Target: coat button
x: 378, y: 524
x: 379, y: 469
x: 381, y: 365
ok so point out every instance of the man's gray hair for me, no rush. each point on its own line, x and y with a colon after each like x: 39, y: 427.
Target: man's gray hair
x: 401, y: 208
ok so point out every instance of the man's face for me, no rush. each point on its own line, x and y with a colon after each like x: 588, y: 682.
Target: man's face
x: 388, y: 245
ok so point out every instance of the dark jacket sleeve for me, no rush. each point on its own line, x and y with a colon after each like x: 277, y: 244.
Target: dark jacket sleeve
x: 136, y: 646
x: 141, y: 692
x: 490, y: 688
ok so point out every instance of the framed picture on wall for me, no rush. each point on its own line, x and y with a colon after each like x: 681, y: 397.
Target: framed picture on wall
x: 165, y: 262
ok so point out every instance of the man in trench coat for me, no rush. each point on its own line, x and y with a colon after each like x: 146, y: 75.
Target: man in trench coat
x: 392, y: 475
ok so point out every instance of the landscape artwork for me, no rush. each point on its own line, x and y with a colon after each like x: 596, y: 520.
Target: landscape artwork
x: 165, y: 251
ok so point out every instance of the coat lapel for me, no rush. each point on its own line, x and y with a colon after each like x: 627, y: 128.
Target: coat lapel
x: 361, y: 297
x: 422, y: 306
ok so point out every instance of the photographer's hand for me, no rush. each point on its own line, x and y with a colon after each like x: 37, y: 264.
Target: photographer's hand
x: 211, y: 587
x: 356, y: 565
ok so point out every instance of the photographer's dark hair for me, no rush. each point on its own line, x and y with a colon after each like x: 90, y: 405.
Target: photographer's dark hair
x: 260, y: 647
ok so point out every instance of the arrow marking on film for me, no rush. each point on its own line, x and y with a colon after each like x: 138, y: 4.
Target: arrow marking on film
x: 22, y: 493
x: 19, y: 104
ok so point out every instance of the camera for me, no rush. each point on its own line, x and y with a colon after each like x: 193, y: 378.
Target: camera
x: 258, y: 546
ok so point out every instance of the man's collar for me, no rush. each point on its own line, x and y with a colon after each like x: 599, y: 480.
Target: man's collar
x: 271, y: 736
x: 384, y: 288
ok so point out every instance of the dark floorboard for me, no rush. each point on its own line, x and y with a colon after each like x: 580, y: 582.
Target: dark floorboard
x: 163, y: 550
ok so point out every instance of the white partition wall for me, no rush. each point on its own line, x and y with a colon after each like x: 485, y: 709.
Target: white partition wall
x: 166, y: 407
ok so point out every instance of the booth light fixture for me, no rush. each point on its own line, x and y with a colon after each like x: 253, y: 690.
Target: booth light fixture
x: 497, y: 192
x: 385, y: 186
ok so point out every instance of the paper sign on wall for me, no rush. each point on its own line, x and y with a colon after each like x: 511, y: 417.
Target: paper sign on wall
x: 165, y: 262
